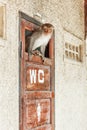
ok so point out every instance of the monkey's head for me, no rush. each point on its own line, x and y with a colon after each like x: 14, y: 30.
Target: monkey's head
x: 47, y: 28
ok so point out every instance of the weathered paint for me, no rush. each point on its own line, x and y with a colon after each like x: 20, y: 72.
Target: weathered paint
x: 37, y: 113
x: 70, y: 77
x: 37, y: 95
x: 37, y: 77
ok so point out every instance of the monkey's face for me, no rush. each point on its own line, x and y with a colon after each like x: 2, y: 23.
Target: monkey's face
x: 47, y: 28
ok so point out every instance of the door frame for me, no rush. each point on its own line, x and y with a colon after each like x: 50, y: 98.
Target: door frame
x: 30, y: 19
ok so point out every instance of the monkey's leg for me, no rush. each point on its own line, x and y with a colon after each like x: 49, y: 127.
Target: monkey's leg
x: 42, y: 57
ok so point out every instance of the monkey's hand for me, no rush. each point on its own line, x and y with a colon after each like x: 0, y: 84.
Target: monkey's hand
x: 35, y: 52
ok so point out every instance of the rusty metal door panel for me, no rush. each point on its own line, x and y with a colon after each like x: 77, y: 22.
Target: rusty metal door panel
x: 38, y: 95
x: 36, y: 113
x: 37, y: 77
x: 37, y: 86
x: 46, y: 127
x: 42, y: 127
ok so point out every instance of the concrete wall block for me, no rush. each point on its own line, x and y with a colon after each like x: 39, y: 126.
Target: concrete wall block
x: 70, y: 79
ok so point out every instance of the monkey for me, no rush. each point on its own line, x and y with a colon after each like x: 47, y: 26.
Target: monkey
x: 39, y: 40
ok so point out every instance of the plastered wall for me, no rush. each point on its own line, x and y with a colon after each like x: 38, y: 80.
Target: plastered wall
x: 67, y: 16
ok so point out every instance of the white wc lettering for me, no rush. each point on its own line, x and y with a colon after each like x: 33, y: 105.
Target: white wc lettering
x: 32, y: 76
x: 41, y: 80
x: 36, y: 75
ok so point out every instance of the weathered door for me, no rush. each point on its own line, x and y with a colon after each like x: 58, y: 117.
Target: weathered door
x: 36, y: 83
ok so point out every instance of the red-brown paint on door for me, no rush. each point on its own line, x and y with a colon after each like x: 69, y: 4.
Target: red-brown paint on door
x: 37, y: 86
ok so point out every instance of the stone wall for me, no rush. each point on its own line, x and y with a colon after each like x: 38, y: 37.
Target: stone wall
x: 67, y: 16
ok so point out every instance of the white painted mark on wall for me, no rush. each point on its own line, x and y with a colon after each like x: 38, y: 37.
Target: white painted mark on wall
x: 36, y: 78
x: 39, y: 112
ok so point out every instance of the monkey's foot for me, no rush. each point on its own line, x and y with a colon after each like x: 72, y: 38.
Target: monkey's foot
x: 37, y: 53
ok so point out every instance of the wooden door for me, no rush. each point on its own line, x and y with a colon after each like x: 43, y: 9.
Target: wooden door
x: 36, y: 84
